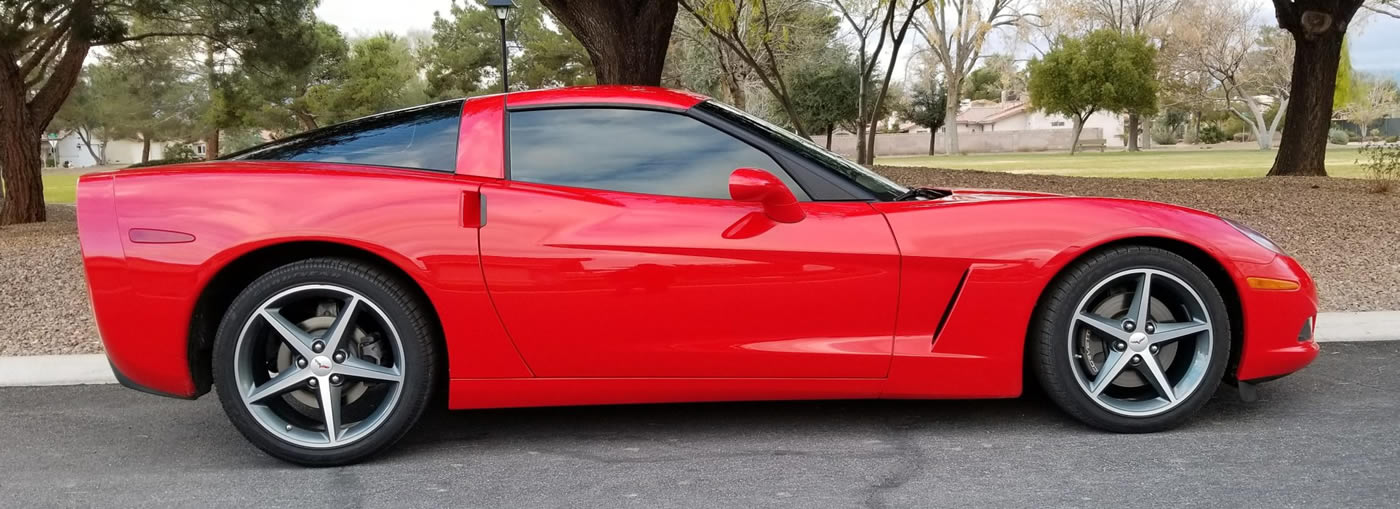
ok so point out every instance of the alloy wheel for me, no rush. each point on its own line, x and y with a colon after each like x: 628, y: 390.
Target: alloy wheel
x: 319, y: 366
x: 1140, y: 342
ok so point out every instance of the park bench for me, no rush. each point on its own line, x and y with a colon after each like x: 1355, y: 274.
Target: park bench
x: 1092, y: 144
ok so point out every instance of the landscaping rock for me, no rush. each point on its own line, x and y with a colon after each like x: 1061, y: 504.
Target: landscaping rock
x: 43, y: 296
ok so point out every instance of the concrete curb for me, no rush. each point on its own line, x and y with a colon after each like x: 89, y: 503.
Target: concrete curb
x: 38, y: 370
x: 1362, y: 326
x: 55, y: 370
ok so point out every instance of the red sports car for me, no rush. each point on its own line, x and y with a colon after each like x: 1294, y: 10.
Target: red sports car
x: 602, y: 245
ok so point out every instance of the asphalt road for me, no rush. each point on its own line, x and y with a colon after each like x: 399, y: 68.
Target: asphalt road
x: 1328, y: 436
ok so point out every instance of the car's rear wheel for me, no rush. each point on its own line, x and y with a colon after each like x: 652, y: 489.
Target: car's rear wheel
x: 1132, y: 339
x: 324, y: 361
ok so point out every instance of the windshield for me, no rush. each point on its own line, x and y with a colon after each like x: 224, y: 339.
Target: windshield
x: 881, y: 187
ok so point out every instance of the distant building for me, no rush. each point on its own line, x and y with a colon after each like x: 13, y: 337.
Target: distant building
x: 67, y: 149
x: 1017, y: 116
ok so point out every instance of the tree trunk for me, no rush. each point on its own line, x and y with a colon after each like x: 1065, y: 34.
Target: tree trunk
x: 860, y: 142
x: 1074, y: 141
x: 1262, y: 134
x: 87, y: 142
x: 860, y: 109
x: 211, y: 145
x: 307, y: 121
x: 1318, y: 39
x: 870, y: 140
x: 1132, y: 137
x: 1278, y: 116
x: 22, y: 170
x: 145, y: 148
x: 950, y: 117
x: 211, y: 137
x: 932, y: 135
x: 730, y: 81
x: 950, y: 122
x: 26, y: 109
x: 1147, y: 133
x: 626, y: 39
x: 1193, y: 129
x: 829, y: 129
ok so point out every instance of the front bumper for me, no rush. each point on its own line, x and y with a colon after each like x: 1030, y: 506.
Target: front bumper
x: 1278, y: 324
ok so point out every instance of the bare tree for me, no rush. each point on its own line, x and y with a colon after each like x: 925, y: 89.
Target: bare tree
x: 863, y: 18
x: 1377, y: 99
x: 1246, y: 60
x: 753, y: 31
x: 1384, y: 7
x: 887, y: 20
x: 697, y: 58
x: 1127, y: 16
x: 955, y: 31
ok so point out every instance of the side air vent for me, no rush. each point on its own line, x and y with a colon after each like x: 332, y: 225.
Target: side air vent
x: 947, y: 312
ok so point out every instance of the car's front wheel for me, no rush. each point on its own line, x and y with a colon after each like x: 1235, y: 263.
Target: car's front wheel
x: 324, y: 361
x: 1132, y: 339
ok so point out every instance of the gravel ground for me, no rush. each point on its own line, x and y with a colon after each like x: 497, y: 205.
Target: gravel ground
x: 1347, y: 238
x: 44, y: 296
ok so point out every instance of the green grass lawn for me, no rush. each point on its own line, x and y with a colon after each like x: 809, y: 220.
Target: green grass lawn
x: 59, y: 187
x: 1161, y: 163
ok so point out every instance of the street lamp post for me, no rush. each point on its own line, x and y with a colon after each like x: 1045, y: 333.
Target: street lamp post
x: 502, y: 8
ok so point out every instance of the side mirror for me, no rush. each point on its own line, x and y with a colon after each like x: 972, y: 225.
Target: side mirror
x: 754, y: 185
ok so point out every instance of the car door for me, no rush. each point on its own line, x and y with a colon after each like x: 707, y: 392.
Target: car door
x: 613, y: 250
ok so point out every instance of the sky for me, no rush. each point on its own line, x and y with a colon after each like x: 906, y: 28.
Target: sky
x: 1376, y: 48
x: 368, y: 17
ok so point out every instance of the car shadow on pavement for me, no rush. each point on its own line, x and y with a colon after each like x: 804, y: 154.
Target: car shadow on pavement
x: 762, y: 423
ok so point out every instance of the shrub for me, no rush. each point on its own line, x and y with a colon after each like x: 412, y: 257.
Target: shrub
x: 1382, y: 165
x: 1163, y: 134
x: 1393, y: 139
x: 1241, y: 137
x: 1211, y: 134
x: 1232, y: 126
x: 180, y: 151
x: 1338, y: 136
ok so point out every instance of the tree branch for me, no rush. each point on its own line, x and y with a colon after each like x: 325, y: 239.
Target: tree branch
x: 51, y: 95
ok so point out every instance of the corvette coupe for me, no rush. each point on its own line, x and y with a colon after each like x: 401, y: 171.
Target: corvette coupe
x: 608, y: 245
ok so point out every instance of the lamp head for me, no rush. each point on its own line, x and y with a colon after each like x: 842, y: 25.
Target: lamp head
x: 502, y: 7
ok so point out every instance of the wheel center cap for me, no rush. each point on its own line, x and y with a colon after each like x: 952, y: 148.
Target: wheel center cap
x: 1137, y: 342
x: 321, y: 365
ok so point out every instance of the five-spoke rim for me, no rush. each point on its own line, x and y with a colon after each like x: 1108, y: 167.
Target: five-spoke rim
x: 323, y: 363
x: 1164, y: 335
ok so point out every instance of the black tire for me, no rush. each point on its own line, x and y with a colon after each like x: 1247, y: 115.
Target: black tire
x: 400, y: 304
x: 1050, y: 355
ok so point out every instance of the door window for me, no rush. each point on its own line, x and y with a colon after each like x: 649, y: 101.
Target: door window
x: 637, y: 151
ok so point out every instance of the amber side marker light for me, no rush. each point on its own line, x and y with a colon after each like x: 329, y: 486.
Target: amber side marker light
x: 1264, y: 283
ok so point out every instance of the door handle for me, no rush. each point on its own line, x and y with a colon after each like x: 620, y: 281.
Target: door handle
x: 473, y: 209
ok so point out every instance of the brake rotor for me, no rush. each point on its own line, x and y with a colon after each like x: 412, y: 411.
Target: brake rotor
x: 1093, y: 348
x: 316, y: 326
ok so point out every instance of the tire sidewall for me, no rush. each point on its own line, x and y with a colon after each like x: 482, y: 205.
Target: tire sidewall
x: 1054, y: 359
x: 391, y: 298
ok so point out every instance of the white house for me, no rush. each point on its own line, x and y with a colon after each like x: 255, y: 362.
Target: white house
x: 1017, y: 116
x: 72, y: 151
